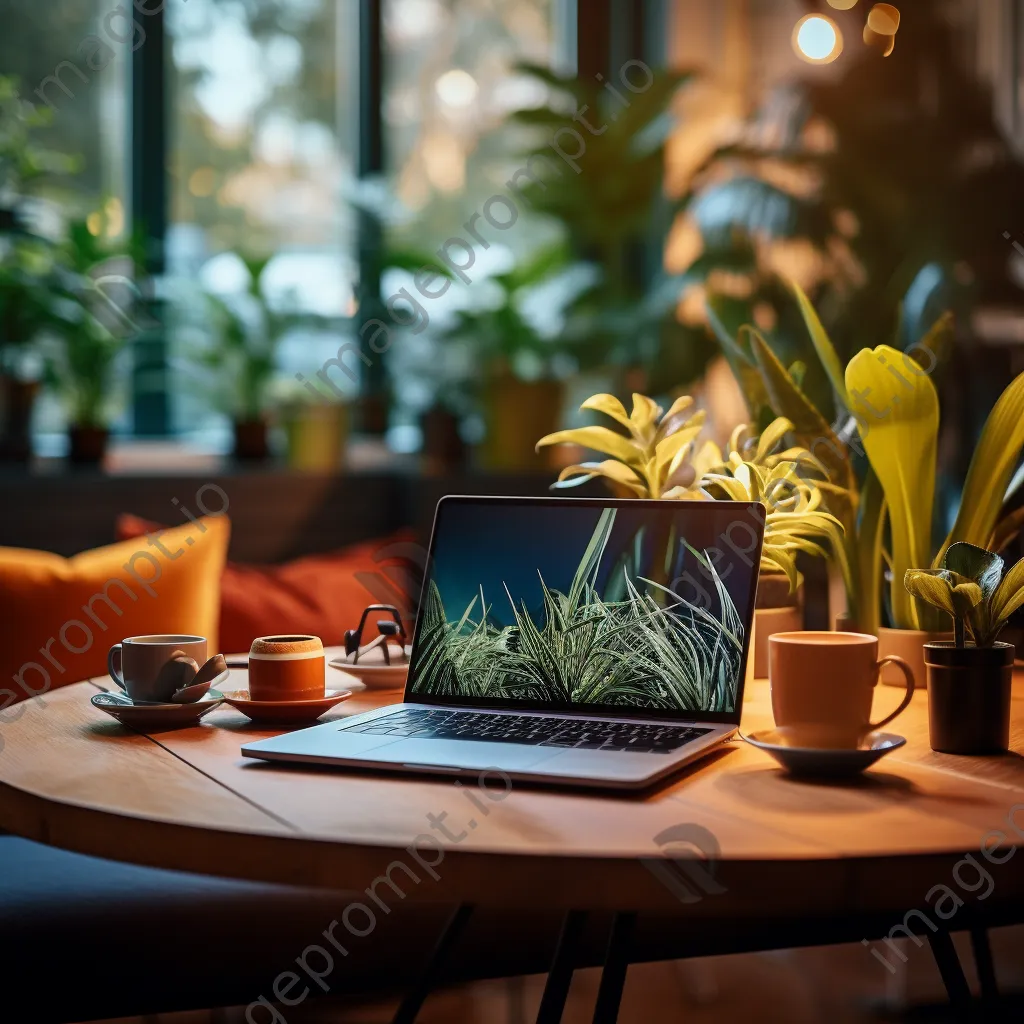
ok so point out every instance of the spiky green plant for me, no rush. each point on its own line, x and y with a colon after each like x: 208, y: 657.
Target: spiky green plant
x: 650, y: 649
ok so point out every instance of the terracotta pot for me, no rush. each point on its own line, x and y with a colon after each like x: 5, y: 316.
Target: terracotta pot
x: 768, y: 621
x: 316, y: 437
x: 17, y: 399
x: 87, y: 446
x: 251, y: 441
x: 907, y: 644
x: 519, y: 413
x: 969, y: 697
x: 776, y: 610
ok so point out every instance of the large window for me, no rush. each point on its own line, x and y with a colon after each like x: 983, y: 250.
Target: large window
x: 72, y: 56
x: 260, y: 161
x: 450, y: 84
x: 63, y: 138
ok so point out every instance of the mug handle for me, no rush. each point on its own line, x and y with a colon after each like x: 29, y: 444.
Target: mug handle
x: 114, y: 670
x: 908, y: 674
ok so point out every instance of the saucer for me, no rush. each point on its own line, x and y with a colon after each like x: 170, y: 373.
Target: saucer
x: 372, y: 672
x: 825, y: 762
x: 154, y: 717
x: 282, y: 711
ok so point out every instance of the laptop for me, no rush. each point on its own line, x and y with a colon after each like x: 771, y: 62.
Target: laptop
x: 564, y: 641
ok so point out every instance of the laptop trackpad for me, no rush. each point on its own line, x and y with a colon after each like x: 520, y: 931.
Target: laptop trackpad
x: 460, y: 754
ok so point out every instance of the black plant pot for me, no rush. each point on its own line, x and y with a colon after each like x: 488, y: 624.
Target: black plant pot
x: 87, y: 445
x: 969, y: 697
x: 17, y: 398
x: 252, y: 443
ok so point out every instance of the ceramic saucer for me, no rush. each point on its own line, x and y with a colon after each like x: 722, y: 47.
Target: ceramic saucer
x: 824, y: 762
x: 372, y: 671
x: 284, y: 711
x: 154, y: 717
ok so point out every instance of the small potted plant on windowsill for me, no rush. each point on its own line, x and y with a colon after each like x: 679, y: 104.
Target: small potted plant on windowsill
x: 95, y: 304
x: 969, y: 678
x: 241, y: 336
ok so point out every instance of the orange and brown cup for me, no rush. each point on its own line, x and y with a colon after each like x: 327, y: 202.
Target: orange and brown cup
x: 285, y: 668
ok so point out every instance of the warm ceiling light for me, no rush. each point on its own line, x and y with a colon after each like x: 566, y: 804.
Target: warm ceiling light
x: 884, y: 19
x: 842, y: 5
x: 817, y: 39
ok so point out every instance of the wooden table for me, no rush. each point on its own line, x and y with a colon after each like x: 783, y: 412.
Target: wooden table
x: 795, y: 861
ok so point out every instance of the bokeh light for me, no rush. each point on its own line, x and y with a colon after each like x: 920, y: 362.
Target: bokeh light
x: 817, y: 39
x: 884, y: 19
x: 842, y: 5
x: 456, y: 88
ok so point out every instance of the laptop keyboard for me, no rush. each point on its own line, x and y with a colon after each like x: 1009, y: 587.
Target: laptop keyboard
x: 581, y: 734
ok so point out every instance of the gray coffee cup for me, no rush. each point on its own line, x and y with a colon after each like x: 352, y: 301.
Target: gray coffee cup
x: 142, y: 665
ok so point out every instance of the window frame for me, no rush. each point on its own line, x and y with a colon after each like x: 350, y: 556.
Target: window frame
x: 592, y: 37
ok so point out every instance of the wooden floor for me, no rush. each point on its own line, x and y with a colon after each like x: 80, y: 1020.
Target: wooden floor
x: 837, y: 985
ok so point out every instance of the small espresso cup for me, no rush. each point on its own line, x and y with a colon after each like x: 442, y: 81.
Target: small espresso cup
x: 285, y: 668
x: 822, y: 685
x: 138, y: 663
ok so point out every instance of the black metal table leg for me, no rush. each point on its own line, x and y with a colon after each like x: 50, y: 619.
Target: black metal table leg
x: 616, y: 963
x: 414, y: 999
x: 556, y: 991
x: 953, y: 976
x: 985, y: 964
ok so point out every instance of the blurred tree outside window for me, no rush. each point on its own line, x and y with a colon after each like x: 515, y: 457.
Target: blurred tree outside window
x: 261, y: 156
x: 450, y: 87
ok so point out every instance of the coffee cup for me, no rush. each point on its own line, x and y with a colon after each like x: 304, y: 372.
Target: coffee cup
x: 822, y: 685
x: 152, y: 668
x: 286, y: 668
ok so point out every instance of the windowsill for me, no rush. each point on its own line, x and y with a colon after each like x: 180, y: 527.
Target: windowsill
x: 182, y: 457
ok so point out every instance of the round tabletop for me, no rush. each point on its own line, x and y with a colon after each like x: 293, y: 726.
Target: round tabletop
x: 73, y: 777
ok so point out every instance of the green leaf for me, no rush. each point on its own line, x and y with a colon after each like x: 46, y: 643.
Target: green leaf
x: 995, y: 459
x: 822, y: 344
x: 974, y: 563
x: 600, y: 439
x: 1009, y: 595
x: 810, y: 428
x: 944, y: 589
x: 867, y: 541
x: 744, y: 369
x: 898, y: 420
x: 938, y: 342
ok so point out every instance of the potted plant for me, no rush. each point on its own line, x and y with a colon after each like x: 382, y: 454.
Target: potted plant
x: 889, y: 411
x: 80, y: 368
x: 315, y: 428
x: 94, y: 300
x: 898, y: 423
x: 244, y: 332
x: 25, y: 311
x: 852, y: 491
x: 626, y: 318
x: 841, y: 183
x: 26, y: 264
x: 969, y: 678
x: 517, y: 352
x: 659, y: 459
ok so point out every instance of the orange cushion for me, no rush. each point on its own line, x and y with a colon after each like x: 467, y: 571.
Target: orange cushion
x: 59, y: 616
x: 319, y: 594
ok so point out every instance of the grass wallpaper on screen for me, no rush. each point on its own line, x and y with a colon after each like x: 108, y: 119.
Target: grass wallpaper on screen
x: 614, y: 632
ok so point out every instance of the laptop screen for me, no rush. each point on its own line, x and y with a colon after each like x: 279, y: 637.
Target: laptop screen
x: 626, y: 607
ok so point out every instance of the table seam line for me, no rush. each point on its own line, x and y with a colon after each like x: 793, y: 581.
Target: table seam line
x: 206, y: 775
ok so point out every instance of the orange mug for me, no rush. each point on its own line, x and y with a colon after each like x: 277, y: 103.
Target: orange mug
x: 822, y: 685
x: 285, y: 668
